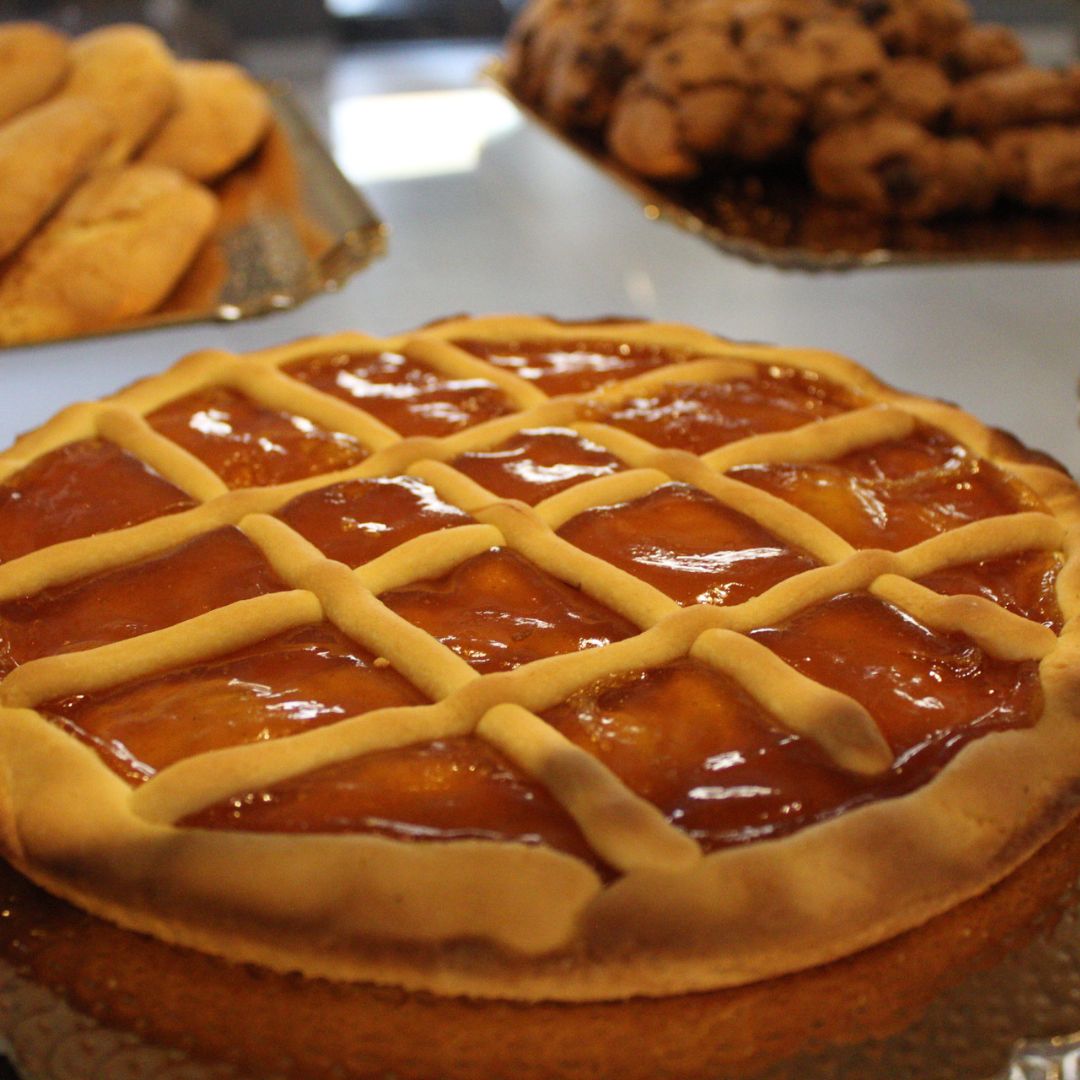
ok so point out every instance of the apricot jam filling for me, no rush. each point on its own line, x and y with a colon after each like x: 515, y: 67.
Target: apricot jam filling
x: 293, y: 682
x: 208, y: 572
x: 405, y: 394
x: 919, y: 684
x: 450, y: 789
x: 81, y: 489
x: 572, y: 367
x: 1024, y: 584
x: 538, y: 463
x: 689, y: 545
x: 692, y: 742
x: 358, y: 520
x: 250, y: 445
x: 498, y: 611
x: 897, y: 493
x: 700, y: 417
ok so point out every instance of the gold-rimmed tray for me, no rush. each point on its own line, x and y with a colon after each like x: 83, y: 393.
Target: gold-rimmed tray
x: 291, y: 226
x: 772, y: 216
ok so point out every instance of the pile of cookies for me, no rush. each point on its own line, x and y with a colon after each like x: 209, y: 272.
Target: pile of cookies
x: 904, y: 108
x: 108, y: 148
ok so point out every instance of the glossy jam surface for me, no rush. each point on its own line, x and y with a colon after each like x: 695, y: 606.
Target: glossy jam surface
x: 1024, y: 584
x: 689, y: 545
x: 359, y: 520
x: 250, y: 445
x: 538, y: 463
x: 897, y: 493
x: 573, y: 367
x: 293, y: 682
x: 694, y: 743
x: 919, y: 685
x: 81, y: 489
x: 405, y: 394
x: 205, y: 573
x: 450, y: 789
x: 498, y: 611
x: 703, y: 416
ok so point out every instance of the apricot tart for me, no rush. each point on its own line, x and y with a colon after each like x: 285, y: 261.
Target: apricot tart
x: 529, y: 660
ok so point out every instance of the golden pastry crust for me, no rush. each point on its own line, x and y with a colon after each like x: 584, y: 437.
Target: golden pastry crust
x: 129, y: 72
x: 514, y: 920
x: 113, y: 251
x: 34, y: 61
x: 221, y: 116
x: 43, y: 154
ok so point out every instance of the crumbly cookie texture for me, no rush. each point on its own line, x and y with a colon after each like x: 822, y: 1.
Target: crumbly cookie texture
x: 44, y: 153
x: 113, y: 106
x: 34, y: 61
x: 129, y: 72
x: 221, y: 116
x: 113, y: 251
x: 523, y: 659
x: 677, y: 89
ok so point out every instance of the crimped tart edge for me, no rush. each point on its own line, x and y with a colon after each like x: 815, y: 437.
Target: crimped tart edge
x: 546, y: 927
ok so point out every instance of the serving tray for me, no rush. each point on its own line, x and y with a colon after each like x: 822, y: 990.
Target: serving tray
x: 772, y: 216
x: 291, y: 227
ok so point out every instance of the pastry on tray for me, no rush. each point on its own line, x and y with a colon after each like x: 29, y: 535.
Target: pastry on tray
x: 95, y: 130
x: 535, y: 662
x: 906, y: 110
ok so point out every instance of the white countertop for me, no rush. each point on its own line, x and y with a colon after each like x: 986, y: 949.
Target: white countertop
x: 528, y: 227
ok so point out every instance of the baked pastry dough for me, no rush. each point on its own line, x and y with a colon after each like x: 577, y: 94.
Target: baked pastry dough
x: 129, y: 73
x: 43, y: 155
x: 113, y: 250
x: 34, y: 60
x: 222, y: 115
x: 531, y: 660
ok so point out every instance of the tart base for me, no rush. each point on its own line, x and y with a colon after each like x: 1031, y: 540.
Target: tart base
x: 948, y: 998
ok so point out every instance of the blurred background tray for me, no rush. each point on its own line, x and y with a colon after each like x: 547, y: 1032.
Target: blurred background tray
x: 770, y: 215
x: 291, y: 227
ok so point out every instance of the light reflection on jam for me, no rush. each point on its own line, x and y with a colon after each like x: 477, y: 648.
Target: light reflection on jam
x: 293, y: 682
x: 205, y: 573
x: 916, y: 682
x: 573, y: 367
x: 405, y: 394
x: 695, y: 744
x: 358, y: 520
x: 449, y: 789
x: 1023, y: 584
x: 81, y: 489
x: 689, y: 545
x: 249, y: 445
x: 538, y: 463
x: 897, y: 493
x: 498, y: 611
x: 703, y: 416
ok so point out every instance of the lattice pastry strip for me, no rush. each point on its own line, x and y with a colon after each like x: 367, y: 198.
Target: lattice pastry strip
x: 512, y: 710
x: 201, y: 365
